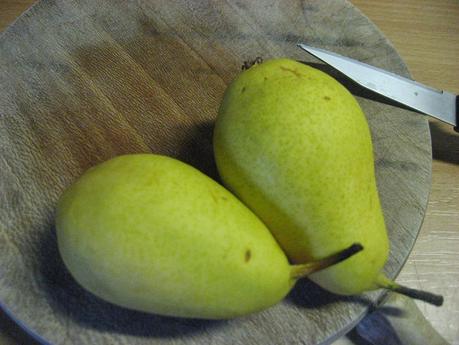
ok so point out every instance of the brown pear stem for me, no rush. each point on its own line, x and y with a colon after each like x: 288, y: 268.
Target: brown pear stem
x: 247, y: 64
x: 303, y: 270
x: 386, y: 283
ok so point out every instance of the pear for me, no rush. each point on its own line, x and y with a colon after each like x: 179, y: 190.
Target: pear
x: 151, y: 233
x: 293, y: 144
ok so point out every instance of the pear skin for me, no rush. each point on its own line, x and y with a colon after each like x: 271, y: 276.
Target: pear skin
x: 294, y: 145
x: 151, y: 233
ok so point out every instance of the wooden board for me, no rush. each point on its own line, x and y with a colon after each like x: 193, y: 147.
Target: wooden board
x: 84, y: 81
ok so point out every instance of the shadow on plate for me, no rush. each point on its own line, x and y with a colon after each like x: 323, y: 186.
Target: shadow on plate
x: 307, y: 294
x: 197, y: 149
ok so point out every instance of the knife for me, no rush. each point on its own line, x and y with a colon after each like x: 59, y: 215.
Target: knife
x: 440, y: 104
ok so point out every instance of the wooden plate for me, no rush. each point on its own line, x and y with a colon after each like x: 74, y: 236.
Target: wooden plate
x: 83, y: 81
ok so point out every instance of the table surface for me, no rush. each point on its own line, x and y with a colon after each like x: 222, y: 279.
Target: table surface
x: 426, y: 35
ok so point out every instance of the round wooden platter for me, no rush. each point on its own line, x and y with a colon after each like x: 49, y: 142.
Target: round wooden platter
x: 83, y: 81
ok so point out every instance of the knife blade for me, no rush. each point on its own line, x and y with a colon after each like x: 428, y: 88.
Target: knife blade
x: 440, y: 104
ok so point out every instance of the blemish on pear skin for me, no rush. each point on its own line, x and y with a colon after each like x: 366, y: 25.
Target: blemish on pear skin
x: 248, y: 255
x: 214, y: 196
x: 327, y: 98
x: 243, y: 89
x: 294, y: 71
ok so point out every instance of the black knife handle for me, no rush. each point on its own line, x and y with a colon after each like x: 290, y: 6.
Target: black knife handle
x: 457, y: 115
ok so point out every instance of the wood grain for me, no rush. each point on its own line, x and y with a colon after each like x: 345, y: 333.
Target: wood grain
x: 393, y: 15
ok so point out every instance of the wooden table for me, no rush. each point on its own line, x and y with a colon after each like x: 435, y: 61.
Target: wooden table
x: 426, y: 34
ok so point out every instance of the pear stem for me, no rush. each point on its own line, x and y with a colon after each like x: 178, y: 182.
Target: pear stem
x: 386, y: 283
x: 247, y: 64
x: 303, y: 270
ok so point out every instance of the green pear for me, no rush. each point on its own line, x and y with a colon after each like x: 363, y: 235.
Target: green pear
x: 151, y: 233
x: 293, y: 144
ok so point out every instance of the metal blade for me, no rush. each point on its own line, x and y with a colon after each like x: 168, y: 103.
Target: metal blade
x: 436, y: 103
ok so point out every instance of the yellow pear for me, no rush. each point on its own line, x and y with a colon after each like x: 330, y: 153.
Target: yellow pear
x: 293, y: 144
x: 151, y: 233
